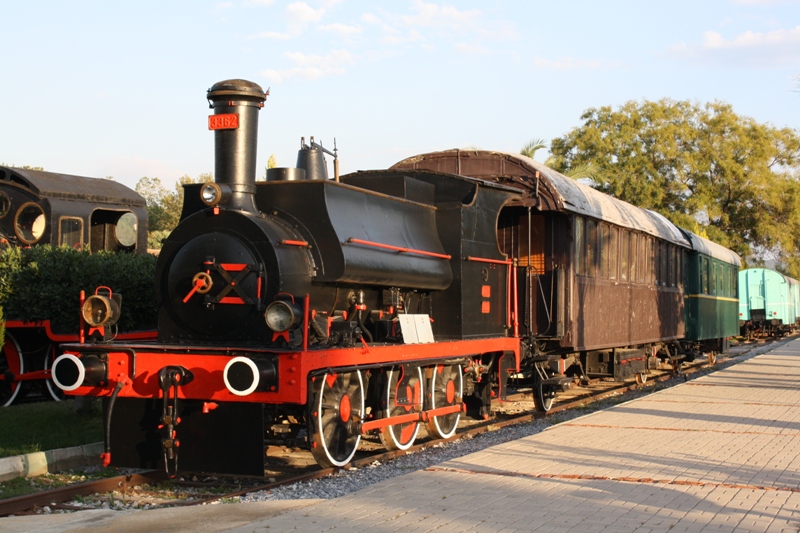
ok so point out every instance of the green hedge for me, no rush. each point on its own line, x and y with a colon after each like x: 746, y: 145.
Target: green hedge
x: 44, y: 283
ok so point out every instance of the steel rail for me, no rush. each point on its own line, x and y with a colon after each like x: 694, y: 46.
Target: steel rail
x: 124, y: 483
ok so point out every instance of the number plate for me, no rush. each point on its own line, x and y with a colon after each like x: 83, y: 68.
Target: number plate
x: 228, y: 121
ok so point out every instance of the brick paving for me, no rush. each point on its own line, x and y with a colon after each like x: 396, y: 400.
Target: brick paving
x: 720, y: 453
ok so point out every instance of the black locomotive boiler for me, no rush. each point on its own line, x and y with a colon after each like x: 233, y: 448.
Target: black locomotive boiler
x: 317, y: 310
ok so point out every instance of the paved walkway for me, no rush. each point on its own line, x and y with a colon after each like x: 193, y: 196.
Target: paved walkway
x: 720, y: 453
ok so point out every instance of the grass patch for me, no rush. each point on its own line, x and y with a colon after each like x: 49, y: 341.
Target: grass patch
x: 38, y: 427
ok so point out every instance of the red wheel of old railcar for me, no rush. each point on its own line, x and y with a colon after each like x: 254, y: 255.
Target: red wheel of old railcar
x: 447, y: 387
x: 10, y: 362
x: 403, y: 397
x: 49, y: 356
x: 337, y: 407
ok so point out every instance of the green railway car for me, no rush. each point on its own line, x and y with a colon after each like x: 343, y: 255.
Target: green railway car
x: 710, y: 294
x: 769, y: 302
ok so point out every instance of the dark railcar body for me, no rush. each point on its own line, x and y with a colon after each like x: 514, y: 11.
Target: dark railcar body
x: 711, y: 281
x: 38, y: 207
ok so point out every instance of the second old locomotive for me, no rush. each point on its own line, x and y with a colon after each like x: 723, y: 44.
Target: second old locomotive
x: 314, y: 311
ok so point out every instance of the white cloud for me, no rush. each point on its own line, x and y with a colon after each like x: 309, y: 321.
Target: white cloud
x: 472, y: 49
x: 298, y: 16
x: 301, y: 14
x: 393, y: 36
x: 751, y: 48
x: 311, y: 67
x: 714, y: 39
x: 369, y: 18
x: 570, y: 63
x: 341, y: 29
x: 444, y: 19
x: 258, y: 2
x: 272, y: 35
x: 434, y: 15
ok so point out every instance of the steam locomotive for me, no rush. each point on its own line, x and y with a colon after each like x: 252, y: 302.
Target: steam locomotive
x: 38, y: 207
x: 316, y: 310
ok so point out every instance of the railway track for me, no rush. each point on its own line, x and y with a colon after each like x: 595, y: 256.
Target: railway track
x: 301, y: 466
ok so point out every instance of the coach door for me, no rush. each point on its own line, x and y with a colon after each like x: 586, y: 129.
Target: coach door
x: 526, y: 236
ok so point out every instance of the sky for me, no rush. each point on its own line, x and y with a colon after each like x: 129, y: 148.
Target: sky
x: 113, y: 88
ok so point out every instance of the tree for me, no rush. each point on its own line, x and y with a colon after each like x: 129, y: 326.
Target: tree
x: 696, y: 164
x: 272, y: 162
x: 153, y: 193
x: 164, y: 207
x: 533, y: 146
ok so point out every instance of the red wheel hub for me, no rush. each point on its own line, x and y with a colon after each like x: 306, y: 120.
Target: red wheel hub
x: 451, y: 392
x: 344, y: 408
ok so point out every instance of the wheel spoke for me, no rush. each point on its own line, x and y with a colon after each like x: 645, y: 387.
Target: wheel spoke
x: 445, y: 377
x: 335, y: 441
x: 402, y: 383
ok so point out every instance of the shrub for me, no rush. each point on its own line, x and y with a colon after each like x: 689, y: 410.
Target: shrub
x: 44, y: 283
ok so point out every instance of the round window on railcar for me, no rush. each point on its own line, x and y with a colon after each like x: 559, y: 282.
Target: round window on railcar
x: 5, y: 204
x: 126, y: 229
x: 30, y: 223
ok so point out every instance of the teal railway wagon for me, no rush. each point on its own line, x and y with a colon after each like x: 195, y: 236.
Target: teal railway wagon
x: 768, y: 302
x: 710, y: 293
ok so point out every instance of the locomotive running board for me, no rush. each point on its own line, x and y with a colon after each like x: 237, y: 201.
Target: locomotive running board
x: 422, y: 416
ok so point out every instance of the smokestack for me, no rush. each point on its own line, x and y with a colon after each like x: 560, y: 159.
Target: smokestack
x: 236, y: 104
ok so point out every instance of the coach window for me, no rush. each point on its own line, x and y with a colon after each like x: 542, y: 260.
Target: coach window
x: 614, y: 246
x: 591, y: 248
x: 30, y: 223
x: 634, y: 256
x: 125, y: 230
x: 604, y: 246
x: 713, y: 282
x: 5, y: 204
x: 580, y: 259
x: 70, y: 232
x: 651, y: 262
x: 624, y: 250
x: 670, y: 261
x: 704, y: 275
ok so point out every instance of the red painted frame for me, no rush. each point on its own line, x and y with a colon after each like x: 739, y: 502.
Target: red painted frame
x: 293, y: 367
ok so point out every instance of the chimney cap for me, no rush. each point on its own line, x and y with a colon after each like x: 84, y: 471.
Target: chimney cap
x: 241, y: 88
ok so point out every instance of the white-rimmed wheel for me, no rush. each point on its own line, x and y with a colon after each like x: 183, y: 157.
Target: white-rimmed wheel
x: 641, y: 378
x: 447, y: 388
x: 55, y: 393
x: 712, y: 358
x: 543, y: 395
x: 10, y: 361
x: 403, y: 397
x: 337, y: 407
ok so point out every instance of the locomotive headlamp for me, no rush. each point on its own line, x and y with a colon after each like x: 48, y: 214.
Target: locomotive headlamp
x: 213, y: 194
x: 99, y: 310
x: 282, y: 316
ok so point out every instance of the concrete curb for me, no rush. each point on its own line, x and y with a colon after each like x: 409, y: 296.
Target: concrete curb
x: 36, y: 464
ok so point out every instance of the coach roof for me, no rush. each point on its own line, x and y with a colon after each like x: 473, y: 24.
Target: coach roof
x: 69, y: 187
x: 546, y: 189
